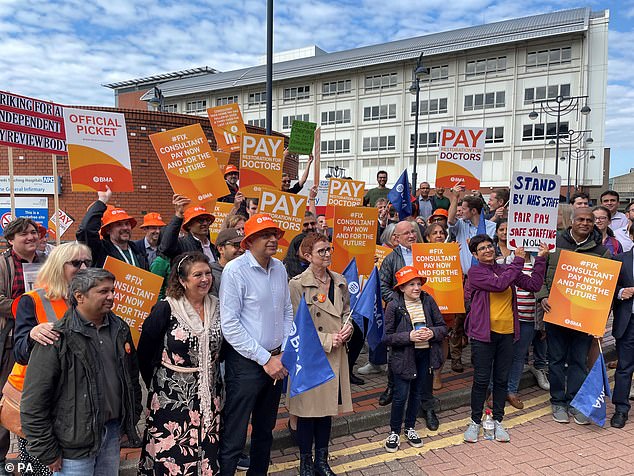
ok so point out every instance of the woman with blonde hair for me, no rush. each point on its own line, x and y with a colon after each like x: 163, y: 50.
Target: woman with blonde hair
x: 35, y: 313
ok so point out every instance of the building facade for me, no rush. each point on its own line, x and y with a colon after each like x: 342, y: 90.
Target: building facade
x: 484, y: 76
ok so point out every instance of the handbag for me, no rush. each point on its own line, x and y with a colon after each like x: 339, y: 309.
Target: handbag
x: 10, y: 409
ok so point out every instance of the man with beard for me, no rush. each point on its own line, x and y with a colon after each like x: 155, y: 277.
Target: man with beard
x: 286, y: 178
x: 107, y: 231
x: 231, y: 177
x: 152, y: 224
x: 228, y: 245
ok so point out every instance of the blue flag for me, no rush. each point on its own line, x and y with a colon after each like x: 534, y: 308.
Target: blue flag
x: 369, y: 305
x: 400, y: 197
x: 304, y: 357
x: 482, y: 230
x: 591, y: 399
x: 351, y: 273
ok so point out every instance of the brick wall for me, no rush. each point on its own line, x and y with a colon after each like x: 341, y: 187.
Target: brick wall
x: 152, y: 190
x: 132, y: 100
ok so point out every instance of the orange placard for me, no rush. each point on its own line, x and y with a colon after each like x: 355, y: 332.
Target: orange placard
x: 287, y: 209
x: 189, y: 163
x: 135, y: 292
x: 260, y: 163
x: 440, y: 263
x: 381, y: 252
x: 460, y: 157
x: 228, y: 126
x: 354, y: 236
x: 222, y: 158
x: 582, y: 291
x: 220, y: 212
x: 343, y: 193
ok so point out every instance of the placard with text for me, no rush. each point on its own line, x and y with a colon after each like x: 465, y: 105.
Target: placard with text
x: 460, y: 157
x: 227, y: 125
x: 288, y: 210
x: 343, y: 193
x: 261, y: 162
x: 354, y: 236
x: 220, y: 212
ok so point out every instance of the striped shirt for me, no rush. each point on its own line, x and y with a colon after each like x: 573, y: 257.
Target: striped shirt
x: 525, y: 299
x: 417, y: 315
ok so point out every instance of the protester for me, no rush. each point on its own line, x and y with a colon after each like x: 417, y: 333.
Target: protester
x: 619, y: 222
x: 500, y: 240
x: 231, y: 178
x: 293, y: 261
x: 252, y: 206
x: 322, y: 226
x: 498, y: 205
x: 440, y: 215
x: 381, y: 191
x: 383, y: 217
x: 623, y: 332
x: 601, y: 222
x: 256, y: 315
x: 35, y: 313
x: 179, y: 360
x: 107, y: 231
x: 328, y: 300
x: 564, y: 216
x: 439, y: 200
x: 43, y: 245
x: 425, y: 203
x: 286, y: 178
x: 152, y: 224
x: 629, y: 213
x: 414, y: 330
x: 75, y: 428
x: 568, y: 348
x: 22, y: 237
x: 493, y: 325
x: 580, y: 200
x: 228, y: 245
x: 388, y: 238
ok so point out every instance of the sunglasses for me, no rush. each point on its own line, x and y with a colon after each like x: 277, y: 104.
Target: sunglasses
x: 76, y: 263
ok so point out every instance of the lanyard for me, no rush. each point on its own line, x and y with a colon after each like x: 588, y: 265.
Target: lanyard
x: 129, y: 260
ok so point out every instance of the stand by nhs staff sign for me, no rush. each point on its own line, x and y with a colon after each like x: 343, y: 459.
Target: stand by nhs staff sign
x: 35, y: 208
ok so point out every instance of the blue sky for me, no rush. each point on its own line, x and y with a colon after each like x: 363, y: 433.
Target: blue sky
x: 64, y: 50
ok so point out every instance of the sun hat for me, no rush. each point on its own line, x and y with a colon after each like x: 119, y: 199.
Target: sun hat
x: 152, y: 219
x: 406, y: 274
x: 195, y: 212
x: 114, y: 215
x: 259, y: 222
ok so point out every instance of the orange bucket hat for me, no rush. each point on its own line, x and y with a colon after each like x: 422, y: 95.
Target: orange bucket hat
x: 113, y: 215
x: 259, y: 222
x: 406, y: 274
x: 231, y: 168
x: 194, y: 212
x: 440, y: 212
x: 152, y: 219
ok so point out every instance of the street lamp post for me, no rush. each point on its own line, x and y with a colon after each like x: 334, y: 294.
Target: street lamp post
x: 578, y: 155
x: 572, y: 138
x: 558, y: 107
x: 158, y: 99
x: 415, y: 89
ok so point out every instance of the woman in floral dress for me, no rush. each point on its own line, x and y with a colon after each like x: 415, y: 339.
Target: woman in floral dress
x: 178, y: 359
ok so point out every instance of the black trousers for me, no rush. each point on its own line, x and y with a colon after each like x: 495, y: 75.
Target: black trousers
x: 355, y: 344
x: 624, y: 369
x: 251, y: 394
x: 490, y: 360
x: 313, y: 429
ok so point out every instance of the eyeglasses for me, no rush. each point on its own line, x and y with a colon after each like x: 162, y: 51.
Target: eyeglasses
x: 436, y: 219
x: 485, y: 248
x: 601, y: 218
x: 286, y: 181
x: 322, y: 252
x: 76, y: 263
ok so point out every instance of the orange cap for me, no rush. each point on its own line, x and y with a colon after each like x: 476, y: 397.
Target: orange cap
x: 440, y: 212
x: 113, y: 215
x: 194, y: 212
x: 231, y: 168
x: 259, y: 222
x: 152, y: 219
x: 406, y: 274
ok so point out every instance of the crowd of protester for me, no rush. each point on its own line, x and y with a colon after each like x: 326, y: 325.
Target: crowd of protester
x: 210, y: 351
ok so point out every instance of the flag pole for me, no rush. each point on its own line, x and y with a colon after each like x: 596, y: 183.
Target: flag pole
x: 599, y: 343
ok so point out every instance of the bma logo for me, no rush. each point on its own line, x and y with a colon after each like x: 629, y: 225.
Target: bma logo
x: 400, y: 188
x: 263, y: 219
x: 230, y: 138
x: 353, y: 287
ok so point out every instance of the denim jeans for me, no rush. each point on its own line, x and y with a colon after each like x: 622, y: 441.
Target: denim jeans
x: 567, y: 356
x: 412, y: 392
x: 490, y: 360
x: 520, y: 349
x: 104, y: 463
x: 540, y: 352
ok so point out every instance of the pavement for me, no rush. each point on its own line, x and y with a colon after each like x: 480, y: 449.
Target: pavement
x: 367, y: 425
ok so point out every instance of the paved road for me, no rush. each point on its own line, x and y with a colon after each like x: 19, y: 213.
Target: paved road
x: 539, y: 446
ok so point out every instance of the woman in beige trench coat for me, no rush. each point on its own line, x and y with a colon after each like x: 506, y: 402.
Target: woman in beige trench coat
x: 328, y: 301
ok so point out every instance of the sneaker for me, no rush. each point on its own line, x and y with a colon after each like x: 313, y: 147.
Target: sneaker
x: 560, y: 414
x: 413, y: 438
x: 500, y: 432
x: 472, y: 432
x: 579, y: 418
x: 392, y: 443
x: 243, y: 462
x: 542, y: 378
x: 369, y: 369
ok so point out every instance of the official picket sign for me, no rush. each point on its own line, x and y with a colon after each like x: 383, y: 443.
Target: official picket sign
x: 98, y: 152
x: 28, y: 123
x: 135, y: 292
x: 287, y: 209
x: 35, y: 208
x: 189, y: 163
x: 460, y: 157
x: 582, y: 291
x: 228, y: 126
x: 261, y: 163
x: 533, y: 209
x: 440, y: 263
